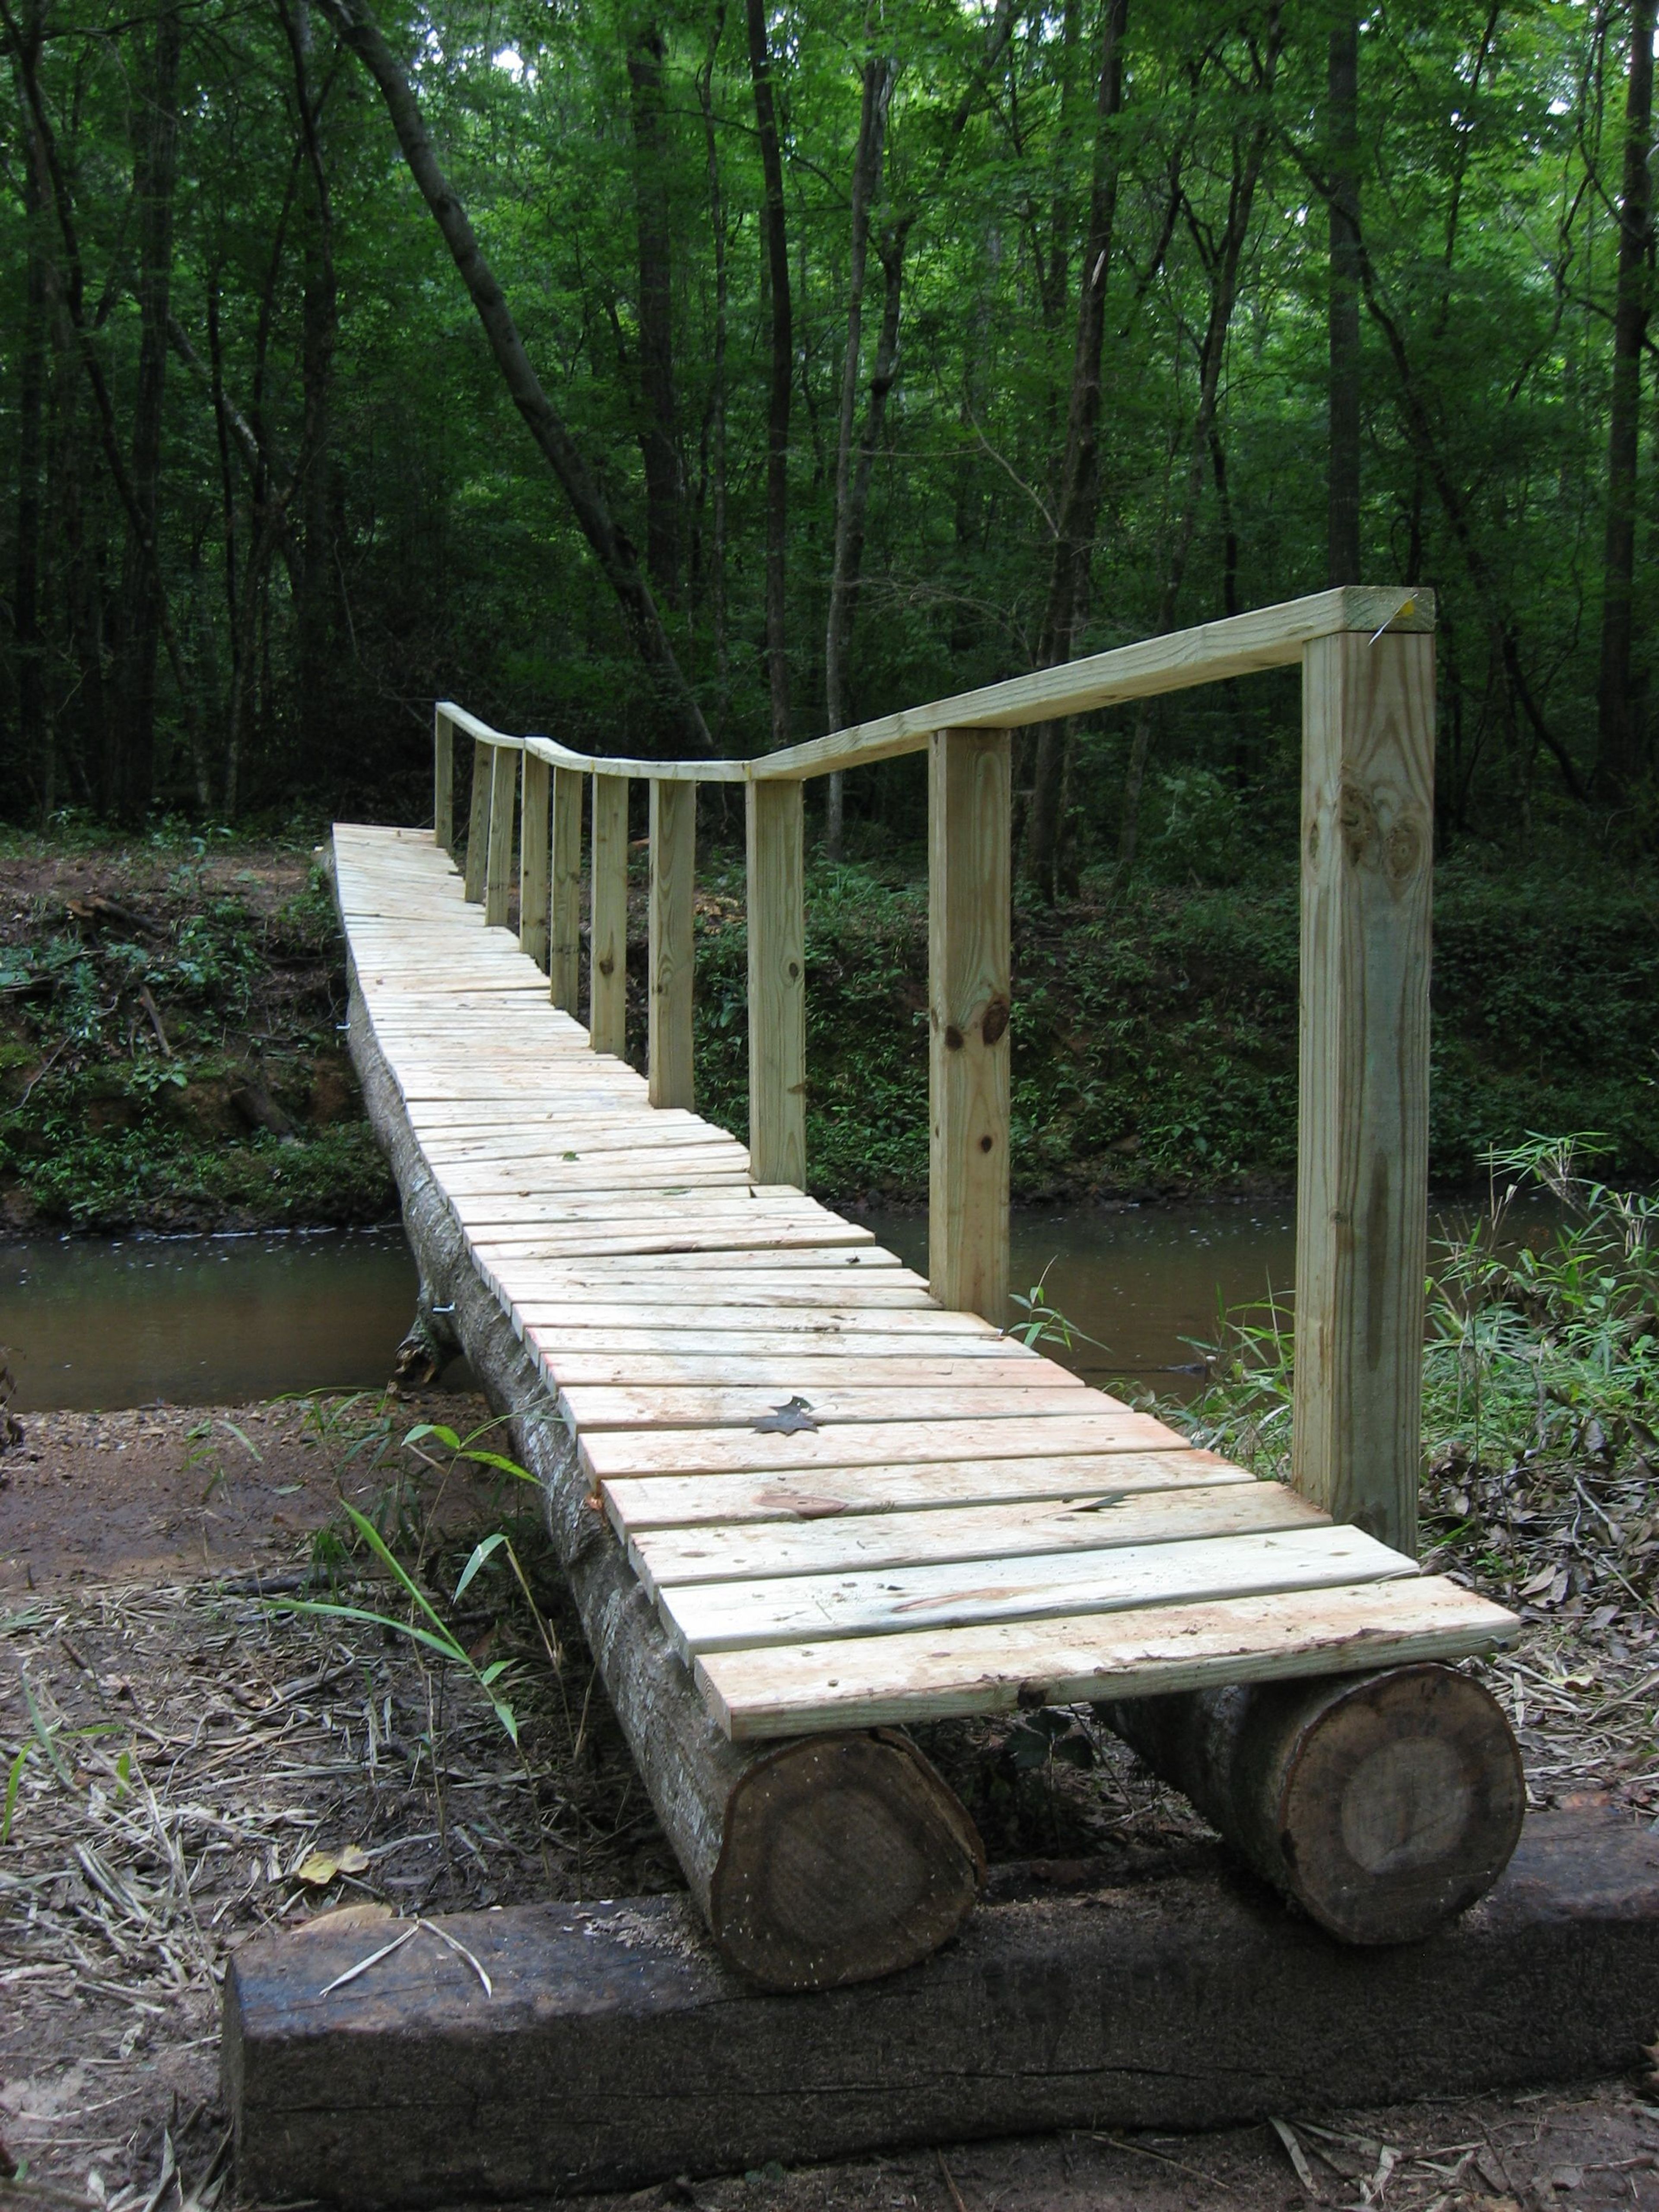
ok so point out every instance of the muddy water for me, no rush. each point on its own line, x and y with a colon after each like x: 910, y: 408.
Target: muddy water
x: 1142, y: 1281
x: 200, y: 1321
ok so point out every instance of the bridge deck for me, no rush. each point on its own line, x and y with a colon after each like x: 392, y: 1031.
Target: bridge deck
x: 849, y: 1504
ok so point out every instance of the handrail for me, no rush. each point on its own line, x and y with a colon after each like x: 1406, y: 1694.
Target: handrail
x: 1238, y: 644
x: 1367, y: 659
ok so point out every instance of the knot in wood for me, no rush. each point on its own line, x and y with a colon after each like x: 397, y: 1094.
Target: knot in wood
x: 1356, y: 816
x: 607, y: 965
x: 993, y: 1022
x: 952, y: 1037
x: 1402, y: 849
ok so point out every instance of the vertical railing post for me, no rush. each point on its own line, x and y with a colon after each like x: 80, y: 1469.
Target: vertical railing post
x: 503, y: 793
x: 969, y: 987
x: 477, y: 823
x: 533, y: 859
x: 777, y: 984
x: 607, y: 988
x: 671, y: 952
x: 443, y: 782
x: 1362, y: 1156
x: 565, y: 900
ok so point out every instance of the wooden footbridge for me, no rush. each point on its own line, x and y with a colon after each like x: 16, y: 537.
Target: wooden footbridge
x: 844, y: 1498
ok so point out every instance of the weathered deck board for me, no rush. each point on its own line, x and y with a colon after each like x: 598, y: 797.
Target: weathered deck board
x: 849, y: 1503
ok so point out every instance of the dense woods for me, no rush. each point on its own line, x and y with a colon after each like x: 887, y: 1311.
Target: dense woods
x: 683, y: 376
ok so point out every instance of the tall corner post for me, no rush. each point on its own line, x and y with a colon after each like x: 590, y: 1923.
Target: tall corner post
x: 1363, y: 1138
x: 777, y: 982
x: 477, y: 821
x: 564, y: 950
x: 534, y: 859
x: 607, y: 986
x: 671, y: 948
x: 968, y: 1004
x: 443, y: 783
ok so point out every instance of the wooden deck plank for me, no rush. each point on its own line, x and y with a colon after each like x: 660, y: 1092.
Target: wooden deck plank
x: 598, y: 1409
x: 839, y: 1543
x: 685, y: 1501
x: 934, y: 1674
x: 796, y: 1608
x: 743, y: 1452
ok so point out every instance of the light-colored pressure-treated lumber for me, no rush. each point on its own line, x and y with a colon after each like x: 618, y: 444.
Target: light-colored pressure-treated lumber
x: 777, y: 983
x: 477, y: 823
x: 565, y: 900
x: 607, y: 986
x: 671, y: 950
x: 969, y: 986
x: 504, y: 793
x: 533, y: 860
x: 443, y: 782
x: 1362, y: 1159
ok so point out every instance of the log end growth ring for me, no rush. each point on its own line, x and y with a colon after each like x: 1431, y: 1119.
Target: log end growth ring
x: 1401, y: 1799
x: 844, y: 1857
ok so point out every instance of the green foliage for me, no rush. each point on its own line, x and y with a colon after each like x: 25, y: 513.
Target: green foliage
x: 1155, y: 1039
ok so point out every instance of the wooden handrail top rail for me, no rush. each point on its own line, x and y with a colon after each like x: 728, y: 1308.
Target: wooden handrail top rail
x: 1238, y: 644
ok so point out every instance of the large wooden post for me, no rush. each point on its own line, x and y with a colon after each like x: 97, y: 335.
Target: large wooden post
x: 1363, y: 1142
x: 671, y: 949
x: 564, y: 950
x: 477, y: 824
x: 533, y: 859
x: 503, y: 798
x: 443, y: 783
x: 969, y: 984
x: 777, y: 984
x: 607, y: 986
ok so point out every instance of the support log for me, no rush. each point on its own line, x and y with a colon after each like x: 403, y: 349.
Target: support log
x: 1383, y: 1804
x: 816, y: 1863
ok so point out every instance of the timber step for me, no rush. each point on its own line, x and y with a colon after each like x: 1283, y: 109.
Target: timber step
x: 850, y: 1505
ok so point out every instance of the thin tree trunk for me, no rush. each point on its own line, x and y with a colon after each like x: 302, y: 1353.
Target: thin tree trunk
x: 34, y: 735
x: 782, y: 371
x: 1078, y: 506
x: 128, y: 783
x: 880, y: 74
x: 659, y: 447
x: 1342, y: 112
x: 317, y: 596
x: 611, y: 546
x: 1617, y: 737
x: 717, y: 231
x: 1224, y: 292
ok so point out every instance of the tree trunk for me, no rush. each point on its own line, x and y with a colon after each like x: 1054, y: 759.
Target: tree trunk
x: 659, y: 447
x: 611, y: 547
x: 880, y: 76
x: 1618, y: 740
x: 316, y: 595
x: 1247, y: 159
x: 128, y: 781
x: 34, y: 733
x: 1342, y: 124
x: 782, y: 380
x: 718, y: 396
x: 1079, y: 507
x: 1384, y: 1804
x: 816, y: 1861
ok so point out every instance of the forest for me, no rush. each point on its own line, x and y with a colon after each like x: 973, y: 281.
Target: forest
x: 683, y: 377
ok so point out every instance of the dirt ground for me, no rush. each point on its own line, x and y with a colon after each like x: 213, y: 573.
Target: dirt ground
x: 187, y: 1761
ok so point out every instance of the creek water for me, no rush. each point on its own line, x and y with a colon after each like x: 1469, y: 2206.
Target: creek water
x: 194, y: 1320
x: 200, y: 1321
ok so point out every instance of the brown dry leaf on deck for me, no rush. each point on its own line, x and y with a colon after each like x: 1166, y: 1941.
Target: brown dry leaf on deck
x: 319, y: 1868
x: 344, y: 1917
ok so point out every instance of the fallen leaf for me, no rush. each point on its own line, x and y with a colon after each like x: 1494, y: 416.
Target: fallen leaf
x: 788, y: 1419
x: 319, y: 1868
x: 344, y: 1917
x: 1298, y: 2156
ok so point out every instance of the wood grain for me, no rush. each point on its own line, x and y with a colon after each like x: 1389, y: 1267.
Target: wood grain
x: 672, y: 951
x: 777, y: 982
x: 534, y: 860
x: 565, y: 897
x: 1362, y: 1167
x: 503, y: 795
x: 607, y: 989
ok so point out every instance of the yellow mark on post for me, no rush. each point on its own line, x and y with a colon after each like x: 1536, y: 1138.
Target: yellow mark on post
x: 1407, y: 606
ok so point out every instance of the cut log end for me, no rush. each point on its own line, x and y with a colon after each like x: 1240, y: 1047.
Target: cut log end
x: 844, y: 1858
x: 1384, y: 1804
